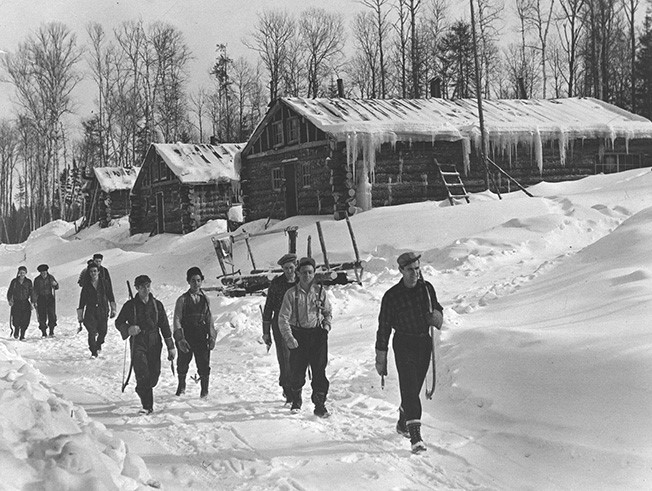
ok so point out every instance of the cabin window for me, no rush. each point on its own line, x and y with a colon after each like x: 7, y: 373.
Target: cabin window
x: 277, y: 178
x: 306, y: 178
x: 293, y: 130
x: 617, y: 162
x: 277, y: 133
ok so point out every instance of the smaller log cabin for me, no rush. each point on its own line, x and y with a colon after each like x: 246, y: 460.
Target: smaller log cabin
x: 181, y: 186
x: 322, y: 156
x: 107, y: 193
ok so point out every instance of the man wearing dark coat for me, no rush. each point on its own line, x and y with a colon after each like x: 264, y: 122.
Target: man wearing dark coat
x: 409, y: 308
x: 194, y: 332
x: 275, y: 294
x: 93, y: 310
x: 44, y: 287
x: 19, y: 296
x: 143, y: 320
x: 104, y: 275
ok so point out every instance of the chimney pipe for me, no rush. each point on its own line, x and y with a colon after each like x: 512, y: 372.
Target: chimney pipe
x: 435, y: 88
x: 522, y: 94
x: 340, y: 88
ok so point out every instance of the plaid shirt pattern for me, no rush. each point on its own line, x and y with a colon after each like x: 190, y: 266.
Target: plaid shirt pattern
x: 406, y: 311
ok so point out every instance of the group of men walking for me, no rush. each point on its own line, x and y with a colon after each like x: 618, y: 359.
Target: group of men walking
x: 296, y: 319
x: 24, y: 296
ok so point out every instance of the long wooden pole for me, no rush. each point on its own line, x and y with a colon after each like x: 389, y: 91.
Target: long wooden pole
x: 478, y: 90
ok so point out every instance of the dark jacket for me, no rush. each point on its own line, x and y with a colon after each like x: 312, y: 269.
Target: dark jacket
x: 406, y: 311
x: 18, y: 291
x: 275, y: 294
x: 150, y: 317
x: 43, y: 287
x: 95, y: 299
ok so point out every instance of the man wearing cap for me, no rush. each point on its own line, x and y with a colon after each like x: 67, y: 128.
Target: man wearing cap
x: 104, y: 276
x: 44, y: 286
x: 275, y: 294
x: 304, y: 322
x: 19, y: 296
x: 194, y: 332
x: 143, y: 320
x: 410, y: 307
x: 93, y: 310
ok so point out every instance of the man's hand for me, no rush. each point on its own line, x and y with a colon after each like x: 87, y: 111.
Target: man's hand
x: 381, y: 362
x: 172, y: 353
x: 133, y: 330
x: 211, y: 343
x: 184, y: 345
x: 267, y: 339
x: 435, y: 318
x: 292, y: 343
x: 80, y: 316
x: 113, y: 309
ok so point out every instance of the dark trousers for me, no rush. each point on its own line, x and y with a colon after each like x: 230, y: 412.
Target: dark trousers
x: 21, y: 314
x: 47, y: 314
x: 283, y: 357
x: 96, y: 325
x: 313, y: 352
x: 412, y: 356
x: 147, y: 365
x: 198, y: 349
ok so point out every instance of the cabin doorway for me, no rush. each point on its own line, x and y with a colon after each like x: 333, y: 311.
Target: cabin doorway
x: 291, y: 194
x: 160, y: 219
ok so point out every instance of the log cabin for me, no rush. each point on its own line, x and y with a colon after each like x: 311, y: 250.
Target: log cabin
x: 181, y: 186
x: 107, y: 193
x: 338, y: 156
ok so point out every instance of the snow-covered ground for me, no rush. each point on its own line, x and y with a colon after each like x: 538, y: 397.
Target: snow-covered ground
x: 544, y: 362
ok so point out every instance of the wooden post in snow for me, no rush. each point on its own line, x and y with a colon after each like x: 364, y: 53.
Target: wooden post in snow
x: 323, y: 245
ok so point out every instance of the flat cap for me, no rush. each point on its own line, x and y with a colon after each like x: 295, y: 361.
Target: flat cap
x: 42, y: 267
x: 287, y: 258
x: 24, y: 268
x: 407, y: 258
x: 306, y: 261
x: 142, y: 279
x: 194, y: 271
x: 97, y: 255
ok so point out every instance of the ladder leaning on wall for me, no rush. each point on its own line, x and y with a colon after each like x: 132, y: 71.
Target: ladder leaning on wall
x: 453, y: 182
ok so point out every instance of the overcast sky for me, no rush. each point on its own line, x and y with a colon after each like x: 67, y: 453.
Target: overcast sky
x: 205, y: 23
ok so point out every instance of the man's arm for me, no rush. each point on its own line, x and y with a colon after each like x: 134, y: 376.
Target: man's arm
x: 123, y: 322
x: 284, y: 318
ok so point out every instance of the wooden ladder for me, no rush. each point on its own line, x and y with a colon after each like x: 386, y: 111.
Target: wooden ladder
x: 453, y: 182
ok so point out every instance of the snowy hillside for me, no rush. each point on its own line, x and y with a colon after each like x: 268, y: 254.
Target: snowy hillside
x: 544, y: 362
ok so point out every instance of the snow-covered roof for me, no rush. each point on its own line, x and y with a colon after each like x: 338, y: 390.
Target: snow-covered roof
x: 116, y: 178
x: 201, y: 163
x: 440, y: 119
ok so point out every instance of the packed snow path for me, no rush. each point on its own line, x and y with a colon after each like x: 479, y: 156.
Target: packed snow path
x: 534, y: 390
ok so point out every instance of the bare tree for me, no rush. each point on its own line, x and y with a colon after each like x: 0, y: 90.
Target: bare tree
x: 198, y: 103
x: 570, y: 31
x: 366, y: 41
x: 489, y: 16
x: 630, y: 7
x: 381, y: 26
x: 536, y: 15
x: 402, y: 41
x: 274, y: 31
x: 322, y: 39
x: 8, y: 162
x: 43, y: 73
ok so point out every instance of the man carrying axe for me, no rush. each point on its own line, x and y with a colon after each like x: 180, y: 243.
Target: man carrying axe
x: 143, y: 320
x: 410, y: 307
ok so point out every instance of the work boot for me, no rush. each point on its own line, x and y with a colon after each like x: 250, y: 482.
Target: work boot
x: 319, y: 399
x: 287, y: 394
x: 204, y: 387
x: 44, y: 333
x: 181, y: 388
x: 414, y: 427
x: 401, y: 426
x: 296, y: 401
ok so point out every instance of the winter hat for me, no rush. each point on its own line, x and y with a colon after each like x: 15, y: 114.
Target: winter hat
x: 287, y: 258
x: 194, y: 271
x: 142, y: 279
x: 97, y: 255
x: 24, y: 268
x: 407, y: 258
x: 42, y: 267
x: 304, y: 261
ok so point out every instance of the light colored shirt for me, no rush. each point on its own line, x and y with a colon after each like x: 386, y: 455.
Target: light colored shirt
x: 304, y: 309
